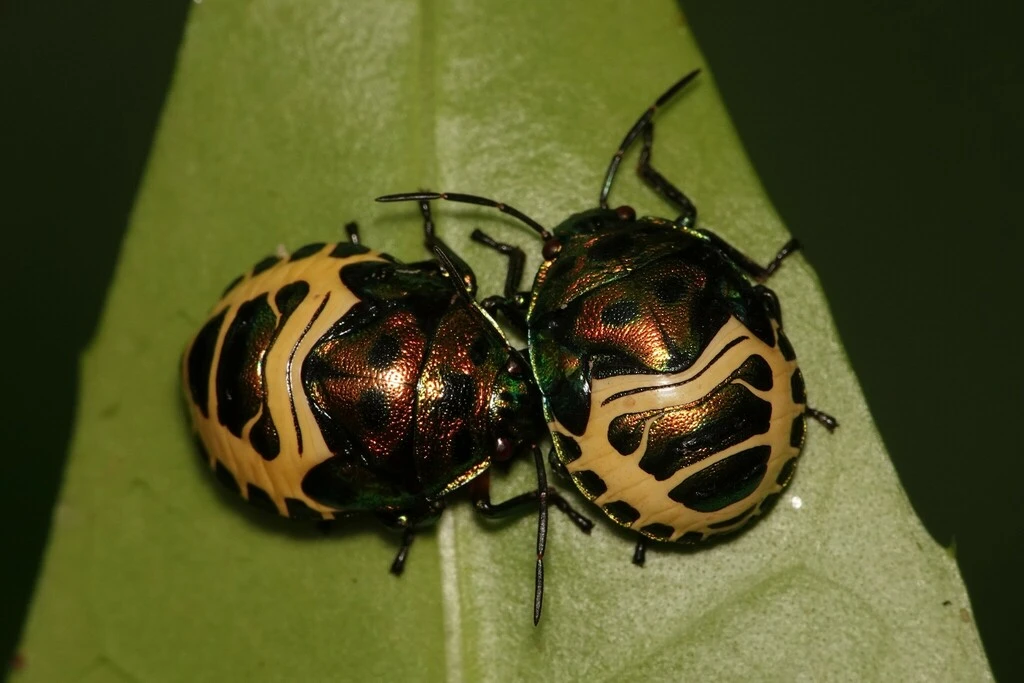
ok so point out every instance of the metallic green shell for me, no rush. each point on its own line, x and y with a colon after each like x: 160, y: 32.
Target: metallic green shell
x: 673, y: 398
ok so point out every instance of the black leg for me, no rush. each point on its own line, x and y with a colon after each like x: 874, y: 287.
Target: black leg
x: 640, y: 552
x: 434, y: 242
x: 755, y: 270
x: 636, y: 130
x: 513, y: 313
x: 658, y: 183
x: 513, y: 303
x: 516, y: 261
x: 403, y: 552
x: 517, y: 504
x: 826, y: 420
x: 353, y: 232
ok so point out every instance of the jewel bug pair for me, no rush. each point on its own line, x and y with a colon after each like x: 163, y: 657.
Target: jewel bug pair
x: 337, y: 380
x: 672, y: 395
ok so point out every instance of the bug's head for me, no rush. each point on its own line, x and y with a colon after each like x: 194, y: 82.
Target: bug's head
x: 587, y: 223
x: 515, y: 408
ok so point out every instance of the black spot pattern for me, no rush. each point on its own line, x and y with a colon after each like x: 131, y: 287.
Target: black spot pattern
x: 786, y: 473
x: 240, y: 388
x: 200, y: 362
x: 768, y: 503
x: 725, y: 482
x: 622, y: 512
x: 346, y: 249
x: 289, y: 297
x: 225, y: 477
x: 590, y: 483
x: 373, y: 409
x: 756, y: 372
x: 458, y: 395
x: 737, y: 417
x: 330, y: 483
x: 798, y: 432
x: 567, y: 447
x: 799, y: 389
x: 787, y: 349
x: 620, y: 313
x: 263, y: 436
x: 299, y: 510
x: 306, y: 251
x: 265, y: 264
x: 232, y: 285
x: 260, y: 498
x: 726, y: 523
x: 657, y: 530
x: 479, y: 350
x: 670, y: 289
x: 384, y: 352
x: 690, y: 538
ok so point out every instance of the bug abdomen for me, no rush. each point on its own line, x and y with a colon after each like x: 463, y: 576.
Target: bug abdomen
x: 681, y: 456
x: 241, y: 374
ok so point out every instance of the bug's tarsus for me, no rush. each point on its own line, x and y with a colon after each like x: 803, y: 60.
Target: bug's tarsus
x: 826, y: 420
x: 751, y: 267
x: 398, y: 565
x: 325, y: 526
x: 640, y: 552
x: 352, y: 229
x: 638, y: 129
x: 516, y: 260
x: 790, y: 247
x: 468, y: 199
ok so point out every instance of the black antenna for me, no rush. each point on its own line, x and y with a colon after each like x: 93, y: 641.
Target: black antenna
x: 635, y: 131
x: 453, y: 273
x: 468, y: 199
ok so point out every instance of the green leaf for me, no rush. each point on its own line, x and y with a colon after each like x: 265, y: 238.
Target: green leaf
x: 284, y: 121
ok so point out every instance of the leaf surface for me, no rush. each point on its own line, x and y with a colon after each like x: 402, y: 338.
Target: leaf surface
x: 284, y: 121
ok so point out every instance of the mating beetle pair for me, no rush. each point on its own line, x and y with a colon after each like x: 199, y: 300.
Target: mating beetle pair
x: 341, y: 381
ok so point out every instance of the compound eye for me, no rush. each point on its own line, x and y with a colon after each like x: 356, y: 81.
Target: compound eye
x: 503, y: 449
x: 626, y: 213
x: 551, y: 249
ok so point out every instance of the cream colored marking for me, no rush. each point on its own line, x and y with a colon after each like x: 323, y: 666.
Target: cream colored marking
x: 281, y: 477
x: 622, y: 473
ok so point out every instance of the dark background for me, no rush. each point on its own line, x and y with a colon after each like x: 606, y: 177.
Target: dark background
x: 887, y: 135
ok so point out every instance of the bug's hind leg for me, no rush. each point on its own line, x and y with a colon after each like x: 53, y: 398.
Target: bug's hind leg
x: 352, y: 230
x: 398, y: 565
x: 640, y: 552
x: 661, y: 185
